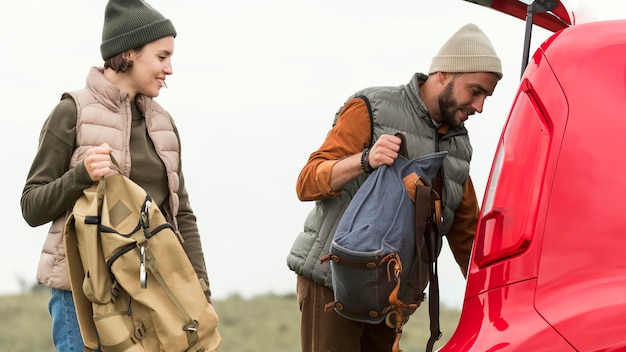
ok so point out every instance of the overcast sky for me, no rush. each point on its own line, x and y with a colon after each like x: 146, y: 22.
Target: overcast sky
x: 254, y: 91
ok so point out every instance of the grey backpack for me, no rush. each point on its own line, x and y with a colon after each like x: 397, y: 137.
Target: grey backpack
x: 376, y: 253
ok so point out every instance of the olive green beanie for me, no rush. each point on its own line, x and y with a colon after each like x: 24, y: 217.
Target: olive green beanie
x: 129, y: 24
x: 467, y: 50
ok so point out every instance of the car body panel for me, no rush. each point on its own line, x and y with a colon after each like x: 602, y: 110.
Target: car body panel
x: 528, y: 111
x: 504, y: 320
x: 582, y: 273
x: 548, y: 266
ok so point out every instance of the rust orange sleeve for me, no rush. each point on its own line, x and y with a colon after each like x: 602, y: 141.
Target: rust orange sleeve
x: 349, y: 135
x: 463, y: 230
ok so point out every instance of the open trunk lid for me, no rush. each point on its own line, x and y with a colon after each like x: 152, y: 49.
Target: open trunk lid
x: 549, y: 14
x: 553, y: 15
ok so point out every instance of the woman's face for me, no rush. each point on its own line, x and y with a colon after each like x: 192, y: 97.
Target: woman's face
x: 150, y: 66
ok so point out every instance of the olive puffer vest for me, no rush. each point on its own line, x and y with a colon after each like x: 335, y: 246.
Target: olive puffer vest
x: 393, y: 109
x: 104, y: 116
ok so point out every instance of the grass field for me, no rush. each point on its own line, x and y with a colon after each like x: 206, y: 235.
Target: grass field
x: 261, y: 324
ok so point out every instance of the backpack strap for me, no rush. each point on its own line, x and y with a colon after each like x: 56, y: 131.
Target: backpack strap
x: 432, y: 242
x: 403, y: 150
x: 428, y: 217
x: 76, y: 273
x: 422, y: 198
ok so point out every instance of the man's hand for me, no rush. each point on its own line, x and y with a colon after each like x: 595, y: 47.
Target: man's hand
x: 384, y: 151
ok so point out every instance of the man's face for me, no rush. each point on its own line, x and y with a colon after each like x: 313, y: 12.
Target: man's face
x: 464, y: 95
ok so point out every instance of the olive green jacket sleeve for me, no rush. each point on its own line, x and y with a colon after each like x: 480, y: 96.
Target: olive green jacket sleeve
x: 51, y: 187
x: 188, y: 227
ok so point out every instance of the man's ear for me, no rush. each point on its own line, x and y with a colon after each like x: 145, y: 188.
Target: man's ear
x: 442, y: 77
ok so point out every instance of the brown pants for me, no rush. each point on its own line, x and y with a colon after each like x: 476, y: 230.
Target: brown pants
x: 327, y: 331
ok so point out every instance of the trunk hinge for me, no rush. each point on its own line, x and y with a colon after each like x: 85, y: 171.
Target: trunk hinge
x: 537, y: 6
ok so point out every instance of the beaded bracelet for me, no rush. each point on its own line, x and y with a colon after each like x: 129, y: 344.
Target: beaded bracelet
x: 365, y: 163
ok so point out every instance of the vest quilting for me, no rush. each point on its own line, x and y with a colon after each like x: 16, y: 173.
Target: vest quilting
x: 104, y: 115
x: 393, y: 109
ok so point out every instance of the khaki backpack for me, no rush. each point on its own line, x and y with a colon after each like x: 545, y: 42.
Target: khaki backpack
x: 134, y: 287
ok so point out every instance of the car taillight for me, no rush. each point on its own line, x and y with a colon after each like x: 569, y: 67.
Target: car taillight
x: 509, y: 211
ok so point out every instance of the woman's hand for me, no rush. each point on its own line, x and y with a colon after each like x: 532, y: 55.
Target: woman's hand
x: 98, y: 161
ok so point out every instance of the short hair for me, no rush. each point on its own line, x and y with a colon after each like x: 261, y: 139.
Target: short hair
x: 119, y: 63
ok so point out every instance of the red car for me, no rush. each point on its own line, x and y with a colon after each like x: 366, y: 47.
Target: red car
x: 548, y: 267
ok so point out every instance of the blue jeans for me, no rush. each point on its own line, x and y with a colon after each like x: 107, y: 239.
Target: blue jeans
x: 65, y: 330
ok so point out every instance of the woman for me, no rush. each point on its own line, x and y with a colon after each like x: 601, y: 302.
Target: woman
x: 114, y: 114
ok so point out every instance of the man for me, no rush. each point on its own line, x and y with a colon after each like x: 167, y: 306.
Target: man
x: 430, y: 110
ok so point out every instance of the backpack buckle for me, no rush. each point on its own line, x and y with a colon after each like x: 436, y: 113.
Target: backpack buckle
x: 191, y: 326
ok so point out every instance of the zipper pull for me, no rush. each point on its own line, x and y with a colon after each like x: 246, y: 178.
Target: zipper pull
x: 145, y: 219
x: 143, y: 276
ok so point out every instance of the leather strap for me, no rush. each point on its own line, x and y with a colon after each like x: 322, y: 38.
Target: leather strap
x: 427, y: 219
x: 432, y: 243
x: 403, y: 150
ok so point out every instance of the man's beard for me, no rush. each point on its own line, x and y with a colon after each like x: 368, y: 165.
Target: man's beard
x: 448, y: 106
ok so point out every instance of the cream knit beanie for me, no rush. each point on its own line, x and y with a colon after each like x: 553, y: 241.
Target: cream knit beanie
x: 467, y: 50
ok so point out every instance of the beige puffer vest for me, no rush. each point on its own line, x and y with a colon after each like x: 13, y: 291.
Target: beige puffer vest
x: 104, y: 115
